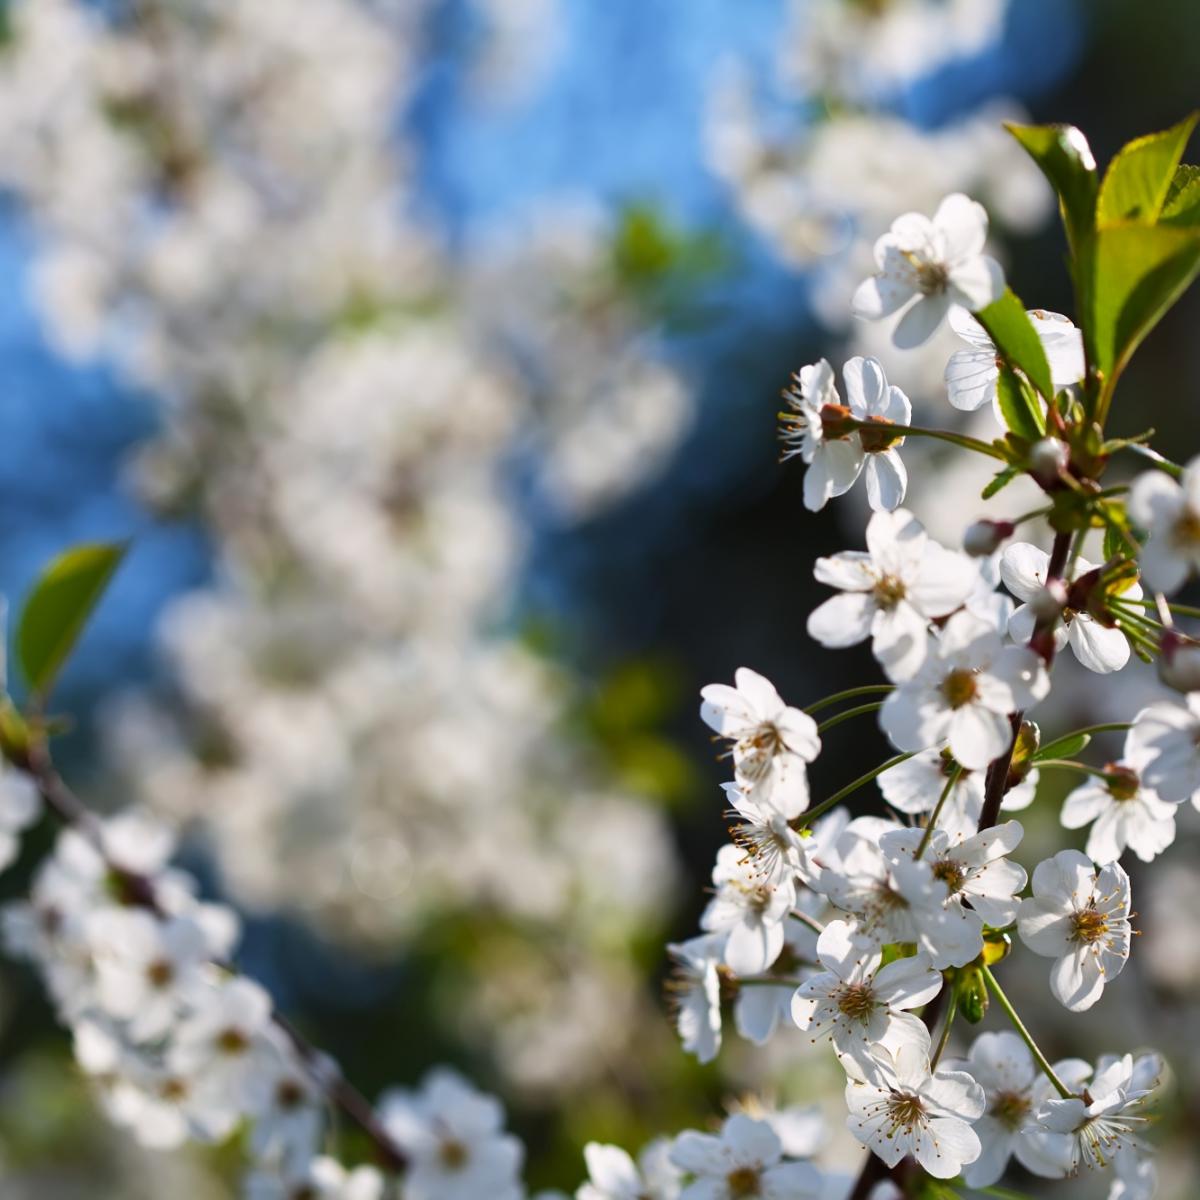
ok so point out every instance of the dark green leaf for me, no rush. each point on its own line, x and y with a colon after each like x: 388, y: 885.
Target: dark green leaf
x: 1065, y: 747
x: 1139, y: 178
x: 1062, y: 153
x: 1137, y: 273
x: 1008, y: 325
x: 58, y: 608
x: 1182, y: 206
x: 1020, y: 407
x: 999, y: 481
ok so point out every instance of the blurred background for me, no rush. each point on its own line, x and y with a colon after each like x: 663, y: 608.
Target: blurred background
x: 429, y: 352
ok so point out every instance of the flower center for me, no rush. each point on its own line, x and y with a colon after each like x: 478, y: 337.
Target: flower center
x: 905, y: 1110
x: 931, y: 278
x: 960, y: 687
x: 1122, y: 782
x: 289, y: 1095
x: 1010, y: 1109
x: 856, y: 1000
x: 757, y: 749
x: 160, y: 973
x: 888, y: 592
x: 951, y: 873
x: 1088, y: 926
x: 453, y: 1154
x: 743, y: 1182
x: 232, y: 1041
x: 876, y: 436
x: 1186, y: 531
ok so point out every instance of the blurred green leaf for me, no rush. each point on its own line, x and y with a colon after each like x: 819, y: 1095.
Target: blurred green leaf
x: 1008, y: 325
x: 1182, y: 205
x: 1019, y: 406
x: 1064, y: 747
x: 59, y: 606
x: 999, y: 481
x: 1136, y: 273
x: 1139, y: 178
x: 1066, y: 160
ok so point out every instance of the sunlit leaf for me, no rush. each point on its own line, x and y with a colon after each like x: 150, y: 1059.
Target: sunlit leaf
x: 1008, y: 325
x: 1066, y: 160
x: 59, y: 606
x: 1064, y: 747
x: 1139, y: 178
x: 1019, y: 406
x: 1182, y: 205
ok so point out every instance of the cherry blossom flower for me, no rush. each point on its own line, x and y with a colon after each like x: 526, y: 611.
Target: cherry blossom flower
x: 839, y: 442
x: 767, y: 837
x: 1003, y: 1066
x: 20, y: 806
x: 859, y: 1002
x: 1103, y: 1123
x: 982, y: 885
x: 971, y: 375
x: 319, y: 1179
x: 1170, y: 511
x: 1080, y: 918
x: 902, y: 1108
x: 1163, y: 745
x: 1126, y: 814
x: 892, y: 592
x: 760, y: 1006
x: 745, y: 1159
x: 969, y: 684
x: 454, y: 1138
x: 771, y: 741
x: 892, y: 900
x: 1100, y: 648
x: 749, y: 909
x: 695, y: 991
x: 927, y: 266
x: 915, y: 785
x: 613, y: 1175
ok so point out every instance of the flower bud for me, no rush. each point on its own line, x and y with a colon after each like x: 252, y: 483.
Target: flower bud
x: 1179, y: 663
x: 1047, y: 602
x: 986, y: 537
x: 1047, y: 460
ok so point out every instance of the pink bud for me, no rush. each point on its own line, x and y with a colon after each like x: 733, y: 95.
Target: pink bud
x: 986, y: 537
x: 1179, y: 663
x: 1047, y: 460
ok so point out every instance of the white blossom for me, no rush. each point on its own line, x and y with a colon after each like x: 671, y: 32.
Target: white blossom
x: 760, y: 1006
x: 613, y: 1174
x: 695, y: 993
x: 1163, y: 745
x: 1169, y: 511
x: 857, y: 1001
x: 1124, y: 814
x: 19, y: 808
x: 903, y: 1108
x: 926, y: 266
x: 321, y: 1178
x: 1099, y: 647
x: 771, y: 742
x: 1080, y: 918
x: 892, y: 592
x: 745, y: 1159
x: 749, y: 909
x: 971, y: 375
x: 964, y: 693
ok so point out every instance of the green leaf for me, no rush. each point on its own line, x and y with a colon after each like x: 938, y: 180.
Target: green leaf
x: 1008, y: 325
x: 1019, y: 406
x: 1139, y: 178
x: 1064, y: 747
x: 1182, y: 205
x: 58, y: 608
x: 1137, y: 272
x: 1066, y: 160
x: 1000, y: 481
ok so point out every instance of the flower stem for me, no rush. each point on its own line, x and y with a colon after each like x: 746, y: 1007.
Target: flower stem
x: 1163, y: 464
x: 869, y: 689
x: 941, y: 1046
x: 1024, y: 1033
x: 1069, y: 764
x: 850, y: 712
x: 937, y: 812
x: 806, y: 818
x: 945, y: 435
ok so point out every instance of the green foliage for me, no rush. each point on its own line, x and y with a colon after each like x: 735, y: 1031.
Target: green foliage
x: 1182, y: 205
x: 59, y: 606
x: 1019, y: 406
x: 1064, y: 747
x: 1000, y: 481
x: 1008, y: 325
x: 1135, y: 273
x: 1066, y: 160
x: 1140, y: 177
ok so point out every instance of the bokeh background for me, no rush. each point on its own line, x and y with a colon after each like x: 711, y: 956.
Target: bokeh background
x: 429, y: 352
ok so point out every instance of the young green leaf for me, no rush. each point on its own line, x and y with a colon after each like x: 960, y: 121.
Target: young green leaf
x: 1008, y: 325
x: 1064, y: 747
x: 58, y: 608
x: 1020, y: 407
x: 1139, y: 178
x: 1066, y: 160
x: 1182, y: 205
x: 999, y: 482
x: 1137, y: 272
